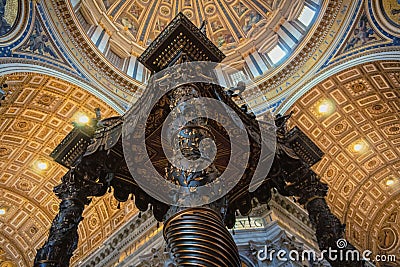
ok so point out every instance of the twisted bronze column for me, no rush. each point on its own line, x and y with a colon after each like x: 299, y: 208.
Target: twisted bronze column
x: 293, y: 176
x: 198, y: 237
x: 312, y: 192
x: 63, y: 238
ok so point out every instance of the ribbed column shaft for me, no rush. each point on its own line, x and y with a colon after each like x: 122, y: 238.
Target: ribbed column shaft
x: 198, y: 237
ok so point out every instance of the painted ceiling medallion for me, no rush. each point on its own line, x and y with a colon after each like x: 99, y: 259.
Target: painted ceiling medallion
x: 391, y: 11
x: 9, y: 10
x: 387, y: 13
x: 387, y: 238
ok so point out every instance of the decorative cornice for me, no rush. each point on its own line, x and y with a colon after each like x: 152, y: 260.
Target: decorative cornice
x: 120, y: 239
x: 289, y: 210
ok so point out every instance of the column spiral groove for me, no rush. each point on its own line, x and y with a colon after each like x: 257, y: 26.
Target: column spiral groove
x: 198, y: 237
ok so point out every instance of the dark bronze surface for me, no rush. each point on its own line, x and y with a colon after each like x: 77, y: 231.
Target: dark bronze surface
x: 180, y: 36
x: 292, y: 176
x: 63, y: 239
x: 73, y: 145
x: 198, y: 237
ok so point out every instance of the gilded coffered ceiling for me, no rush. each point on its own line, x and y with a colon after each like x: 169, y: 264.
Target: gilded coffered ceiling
x: 36, y: 115
x: 354, y: 117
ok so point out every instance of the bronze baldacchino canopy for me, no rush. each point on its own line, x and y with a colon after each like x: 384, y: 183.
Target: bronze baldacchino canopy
x: 172, y: 152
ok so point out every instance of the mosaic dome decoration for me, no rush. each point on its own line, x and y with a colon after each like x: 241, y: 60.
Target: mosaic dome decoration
x: 256, y: 35
x: 8, y: 15
x: 230, y: 23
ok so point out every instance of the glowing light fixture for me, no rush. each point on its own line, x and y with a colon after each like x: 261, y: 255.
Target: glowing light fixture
x: 325, y: 107
x: 42, y: 165
x: 390, y: 182
x: 83, y: 119
x: 358, y: 147
x: 2, y: 211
